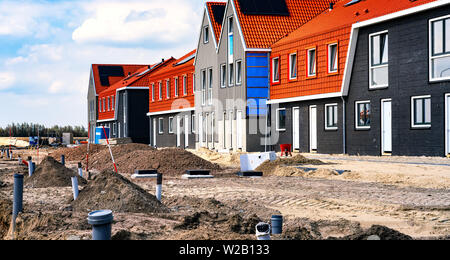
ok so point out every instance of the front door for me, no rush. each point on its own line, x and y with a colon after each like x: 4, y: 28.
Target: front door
x: 447, y: 124
x: 313, y: 128
x: 296, y: 128
x: 386, y: 126
x: 186, y: 131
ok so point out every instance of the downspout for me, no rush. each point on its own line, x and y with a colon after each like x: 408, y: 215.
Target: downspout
x: 344, y: 130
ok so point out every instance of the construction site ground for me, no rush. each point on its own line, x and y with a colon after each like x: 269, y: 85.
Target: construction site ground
x: 407, y: 194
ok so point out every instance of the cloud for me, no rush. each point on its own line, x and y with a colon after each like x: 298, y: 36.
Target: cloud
x: 7, y: 79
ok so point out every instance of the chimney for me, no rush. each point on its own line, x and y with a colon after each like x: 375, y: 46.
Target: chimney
x: 162, y: 60
x: 331, y: 6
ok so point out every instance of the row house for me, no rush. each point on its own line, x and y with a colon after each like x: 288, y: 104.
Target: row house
x: 232, y: 68
x: 365, y: 77
x: 171, y: 104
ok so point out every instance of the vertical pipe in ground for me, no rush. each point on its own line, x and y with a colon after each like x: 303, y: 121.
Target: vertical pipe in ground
x: 159, y: 180
x: 75, y: 187
x: 18, y: 194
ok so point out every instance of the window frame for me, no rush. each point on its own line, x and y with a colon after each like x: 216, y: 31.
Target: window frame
x: 176, y: 85
x: 272, y: 66
x: 378, y: 66
x: 331, y: 44
x: 290, y: 66
x: 203, y: 82
x: 108, y: 105
x: 168, y: 94
x: 209, y: 91
x: 153, y: 92
x: 205, y: 34
x: 185, y: 85
x: 161, y: 125
x: 357, y: 126
x: 238, y: 79
x: 223, y: 75
x: 335, y: 116
x: 104, y: 104
x: 113, y: 103
x: 431, y: 55
x: 171, y: 125
x: 231, y: 75
x: 193, y: 123
x: 424, y: 125
x: 277, y: 118
x: 160, y: 86
x: 308, y: 69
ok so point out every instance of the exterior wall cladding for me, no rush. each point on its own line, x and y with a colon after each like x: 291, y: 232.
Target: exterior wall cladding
x: 408, y: 77
x: 166, y: 139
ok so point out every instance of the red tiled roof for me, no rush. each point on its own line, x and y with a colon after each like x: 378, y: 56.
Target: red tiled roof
x: 217, y: 25
x: 261, y: 31
x: 112, y: 80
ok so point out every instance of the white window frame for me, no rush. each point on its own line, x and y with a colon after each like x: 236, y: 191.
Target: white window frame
x: 161, y: 125
x: 153, y: 92
x: 278, y: 120
x: 203, y: 82
x: 160, y: 90
x: 327, y: 118
x: 413, y: 123
x: 290, y: 66
x: 168, y: 89
x: 223, y: 75
x: 238, y: 76
x: 231, y: 74
x: 193, y: 123
x: 357, y: 115
x: 176, y: 86
x: 193, y: 83
x: 329, y: 58
x: 113, y: 103
x: 109, y: 104
x: 185, y: 83
x: 230, y: 30
x: 430, y: 52
x: 371, y: 67
x: 308, y: 57
x: 104, y: 105
x: 210, y: 86
x: 273, y: 70
x: 171, y: 125
x: 205, y: 34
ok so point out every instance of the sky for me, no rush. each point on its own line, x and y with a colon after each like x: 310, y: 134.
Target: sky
x: 47, y: 47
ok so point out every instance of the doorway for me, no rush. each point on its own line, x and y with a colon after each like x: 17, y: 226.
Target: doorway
x: 313, y: 128
x: 386, y: 126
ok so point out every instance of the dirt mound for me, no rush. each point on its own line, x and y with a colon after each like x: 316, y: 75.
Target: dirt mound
x: 78, y: 154
x: 5, y: 215
x: 51, y: 173
x: 240, y: 225
x: 171, y: 162
x: 112, y: 191
x: 384, y: 233
x: 270, y: 167
x: 298, y: 233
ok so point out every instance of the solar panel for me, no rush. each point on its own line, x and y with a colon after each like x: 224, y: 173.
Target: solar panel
x: 352, y: 2
x: 185, y: 60
x: 264, y: 7
x: 218, y: 12
x: 109, y: 71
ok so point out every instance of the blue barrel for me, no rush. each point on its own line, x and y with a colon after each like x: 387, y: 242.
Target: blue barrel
x: 101, y: 221
x: 18, y: 194
x: 100, y: 134
x: 277, y: 224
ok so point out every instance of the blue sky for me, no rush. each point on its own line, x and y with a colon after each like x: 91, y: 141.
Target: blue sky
x: 47, y: 46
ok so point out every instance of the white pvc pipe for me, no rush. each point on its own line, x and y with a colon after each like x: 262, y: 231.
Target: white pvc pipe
x: 75, y: 187
x: 80, y: 172
x: 158, y: 192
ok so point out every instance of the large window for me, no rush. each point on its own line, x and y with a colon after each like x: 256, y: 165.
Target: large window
x: 223, y: 75
x: 185, y: 91
x: 281, y: 119
x: 331, y: 116
x: 168, y: 89
x: 170, y: 125
x: 311, y: 62
x: 104, y: 104
x: 176, y: 86
x: 333, y: 58
x: 109, y: 104
x: 161, y: 125
x: 203, y: 73
x: 363, y: 115
x: 276, y: 70
x: 293, y: 66
x: 153, y: 92
x: 379, y: 60
x: 160, y: 91
x: 210, y: 86
x: 440, y: 48
x: 231, y: 74
x: 205, y: 34
x: 230, y: 39
x: 238, y: 72
x: 421, y: 112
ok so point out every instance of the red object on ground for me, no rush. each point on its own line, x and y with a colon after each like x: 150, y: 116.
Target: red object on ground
x: 25, y: 162
x: 286, y: 149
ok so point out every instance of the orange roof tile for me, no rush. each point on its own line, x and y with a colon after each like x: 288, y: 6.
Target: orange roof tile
x: 217, y: 25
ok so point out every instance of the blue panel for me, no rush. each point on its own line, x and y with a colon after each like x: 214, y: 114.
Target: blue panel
x: 257, y: 72
x: 250, y: 54
x: 257, y: 61
x: 257, y: 93
x: 258, y: 82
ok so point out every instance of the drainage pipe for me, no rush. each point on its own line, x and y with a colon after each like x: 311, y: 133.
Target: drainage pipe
x: 63, y: 160
x: 159, y: 180
x: 7, y: 154
x: 30, y: 166
x: 18, y: 195
x: 75, y: 187
x: 263, y: 231
x: 101, y: 222
x: 80, y: 170
x: 277, y: 224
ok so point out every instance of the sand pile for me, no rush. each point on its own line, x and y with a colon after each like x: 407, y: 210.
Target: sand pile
x: 224, y: 159
x: 384, y: 233
x: 5, y: 215
x: 283, y: 166
x: 78, y: 154
x: 112, y: 191
x: 171, y: 162
x: 51, y: 173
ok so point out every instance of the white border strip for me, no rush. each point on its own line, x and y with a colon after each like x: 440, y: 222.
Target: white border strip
x: 171, y: 111
x: 304, y: 98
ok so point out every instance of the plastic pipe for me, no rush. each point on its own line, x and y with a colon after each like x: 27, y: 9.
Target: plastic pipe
x: 75, y: 187
x: 30, y: 166
x: 277, y: 224
x: 63, y: 160
x: 80, y: 170
x: 11, y: 155
x: 7, y: 154
x: 20, y: 160
x: 159, y: 180
x: 101, y: 222
x: 18, y: 194
x: 263, y: 231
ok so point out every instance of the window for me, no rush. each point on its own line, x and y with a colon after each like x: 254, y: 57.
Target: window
x: 170, y: 125
x: 311, y: 66
x: 193, y: 83
x: 281, y: 119
x: 193, y: 123
x: 223, y: 75
x: 421, y: 112
x: 293, y: 66
x: 114, y: 130
x: 160, y: 90
x: 104, y: 105
x: 161, y: 125
x: 238, y: 72
x: 231, y: 74
x: 99, y: 105
x: 153, y: 92
x: 276, y: 70
x: 363, y: 115
x: 113, y: 103
x: 379, y: 60
x: 185, y: 85
x: 176, y: 86
x: 440, y: 48
x: 333, y: 57
x: 204, y: 128
x: 168, y: 89
x: 331, y: 117
x: 203, y: 75
x: 109, y: 104
x: 230, y: 39
x: 205, y: 34
x: 210, y: 86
